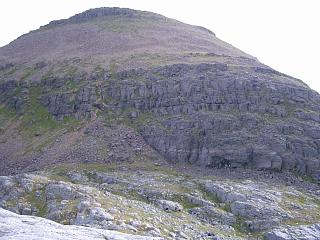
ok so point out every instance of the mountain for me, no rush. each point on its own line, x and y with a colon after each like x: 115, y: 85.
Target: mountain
x: 152, y: 113
x: 192, y: 97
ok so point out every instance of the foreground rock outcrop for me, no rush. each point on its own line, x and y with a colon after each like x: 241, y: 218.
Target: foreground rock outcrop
x: 17, y: 227
x: 147, y: 199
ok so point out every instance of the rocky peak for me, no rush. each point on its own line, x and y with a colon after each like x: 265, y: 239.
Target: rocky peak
x: 96, y: 13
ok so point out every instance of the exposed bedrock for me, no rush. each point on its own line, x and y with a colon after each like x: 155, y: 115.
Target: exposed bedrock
x: 214, y: 115
x: 211, y: 115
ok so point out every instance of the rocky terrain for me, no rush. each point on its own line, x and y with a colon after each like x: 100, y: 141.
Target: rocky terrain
x: 149, y: 199
x: 128, y: 121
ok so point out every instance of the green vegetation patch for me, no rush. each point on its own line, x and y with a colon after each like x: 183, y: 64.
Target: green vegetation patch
x: 6, y: 117
x: 39, y: 203
x: 114, y: 68
x: 6, y: 113
x: 28, y: 72
x: 37, y: 119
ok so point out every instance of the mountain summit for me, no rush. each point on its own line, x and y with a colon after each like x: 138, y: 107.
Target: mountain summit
x: 104, y: 33
x: 134, y: 122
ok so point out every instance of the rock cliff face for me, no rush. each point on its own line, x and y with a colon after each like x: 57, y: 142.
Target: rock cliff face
x: 212, y: 115
x: 199, y: 101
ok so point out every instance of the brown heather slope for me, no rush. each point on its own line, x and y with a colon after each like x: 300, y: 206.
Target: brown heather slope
x: 114, y: 32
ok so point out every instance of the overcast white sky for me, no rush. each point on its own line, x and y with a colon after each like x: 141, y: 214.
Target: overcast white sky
x: 284, y: 34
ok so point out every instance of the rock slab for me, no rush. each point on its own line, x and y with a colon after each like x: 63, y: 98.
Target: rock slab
x: 17, y: 227
x: 307, y: 232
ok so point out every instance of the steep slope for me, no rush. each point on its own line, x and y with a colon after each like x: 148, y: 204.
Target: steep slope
x: 71, y: 87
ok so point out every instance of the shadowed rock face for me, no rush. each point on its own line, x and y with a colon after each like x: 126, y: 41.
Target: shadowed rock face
x: 209, y: 105
x: 215, y: 117
x: 211, y: 115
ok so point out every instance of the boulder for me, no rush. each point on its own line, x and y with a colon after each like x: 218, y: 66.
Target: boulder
x: 303, y: 232
x: 169, y: 205
x: 199, y: 201
x: 252, y: 209
x: 214, y: 215
x: 259, y: 206
x: 61, y: 190
x: 99, y: 214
